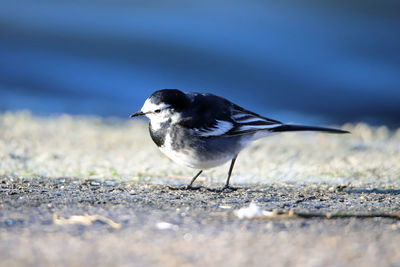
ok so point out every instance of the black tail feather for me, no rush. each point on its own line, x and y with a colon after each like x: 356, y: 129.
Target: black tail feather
x: 291, y: 128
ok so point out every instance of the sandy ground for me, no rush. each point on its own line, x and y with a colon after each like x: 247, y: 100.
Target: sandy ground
x: 87, y: 191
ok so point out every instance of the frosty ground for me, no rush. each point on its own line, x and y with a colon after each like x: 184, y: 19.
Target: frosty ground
x: 86, y: 190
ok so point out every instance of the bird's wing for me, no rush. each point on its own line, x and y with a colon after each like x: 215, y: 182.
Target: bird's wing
x: 209, y: 115
x: 246, y: 122
x: 212, y: 116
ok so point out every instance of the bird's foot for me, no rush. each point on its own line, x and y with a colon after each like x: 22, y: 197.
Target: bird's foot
x: 185, y: 187
x: 229, y: 188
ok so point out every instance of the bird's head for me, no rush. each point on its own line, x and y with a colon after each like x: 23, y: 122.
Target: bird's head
x: 163, y: 104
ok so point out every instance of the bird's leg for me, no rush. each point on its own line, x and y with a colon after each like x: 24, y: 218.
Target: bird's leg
x: 194, y: 179
x: 227, y: 186
x: 190, y: 185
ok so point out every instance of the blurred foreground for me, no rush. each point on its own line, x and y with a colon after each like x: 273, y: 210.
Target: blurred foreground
x: 69, y: 222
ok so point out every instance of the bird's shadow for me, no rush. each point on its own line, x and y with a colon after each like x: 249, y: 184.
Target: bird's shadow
x: 207, y: 189
x: 372, y: 191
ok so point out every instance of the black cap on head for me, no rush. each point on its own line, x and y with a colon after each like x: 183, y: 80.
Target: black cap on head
x: 177, y: 99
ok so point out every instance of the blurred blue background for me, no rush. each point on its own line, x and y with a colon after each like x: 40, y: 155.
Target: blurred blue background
x: 306, y: 61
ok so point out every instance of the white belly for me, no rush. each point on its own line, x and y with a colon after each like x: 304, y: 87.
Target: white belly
x: 189, y: 159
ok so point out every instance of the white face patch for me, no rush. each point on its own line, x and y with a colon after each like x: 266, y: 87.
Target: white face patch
x: 149, y: 107
x: 163, y: 115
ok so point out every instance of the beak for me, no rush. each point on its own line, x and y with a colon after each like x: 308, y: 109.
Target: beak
x: 139, y: 113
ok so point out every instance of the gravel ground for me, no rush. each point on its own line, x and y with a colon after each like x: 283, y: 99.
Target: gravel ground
x: 88, y: 191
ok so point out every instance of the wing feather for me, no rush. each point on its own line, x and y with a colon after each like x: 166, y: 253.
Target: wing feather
x: 220, y: 128
x: 249, y: 122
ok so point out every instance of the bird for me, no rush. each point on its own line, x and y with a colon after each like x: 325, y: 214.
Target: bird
x: 203, y: 131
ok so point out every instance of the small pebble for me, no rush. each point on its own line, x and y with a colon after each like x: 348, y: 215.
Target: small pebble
x: 166, y: 226
x: 110, y: 183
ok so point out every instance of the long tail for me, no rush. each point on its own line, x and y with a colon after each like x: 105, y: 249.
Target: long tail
x: 291, y: 128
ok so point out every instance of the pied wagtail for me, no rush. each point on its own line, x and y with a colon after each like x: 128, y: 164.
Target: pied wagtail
x: 203, y: 131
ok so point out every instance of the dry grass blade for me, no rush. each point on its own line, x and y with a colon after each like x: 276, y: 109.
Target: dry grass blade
x: 84, y: 220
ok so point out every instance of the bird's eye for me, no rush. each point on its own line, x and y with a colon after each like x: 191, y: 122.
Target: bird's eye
x: 157, y: 110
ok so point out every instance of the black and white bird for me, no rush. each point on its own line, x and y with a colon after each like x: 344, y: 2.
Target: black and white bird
x: 203, y: 131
